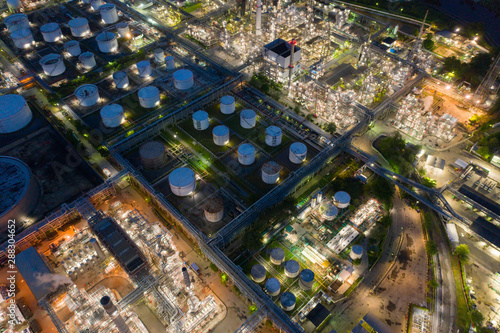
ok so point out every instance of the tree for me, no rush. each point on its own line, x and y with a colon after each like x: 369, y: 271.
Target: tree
x: 477, y: 317
x: 331, y: 128
x: 462, y: 252
x: 433, y: 284
x: 428, y: 43
x: 430, y: 183
x: 431, y: 247
x: 383, y: 190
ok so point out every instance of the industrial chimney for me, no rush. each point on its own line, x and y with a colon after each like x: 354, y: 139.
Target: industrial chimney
x: 111, y: 310
x: 258, y: 18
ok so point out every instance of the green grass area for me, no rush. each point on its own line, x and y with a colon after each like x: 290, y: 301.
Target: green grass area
x: 463, y: 316
x: 192, y: 7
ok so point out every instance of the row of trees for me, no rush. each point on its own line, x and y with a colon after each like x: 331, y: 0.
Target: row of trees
x: 472, y: 72
x: 399, y: 155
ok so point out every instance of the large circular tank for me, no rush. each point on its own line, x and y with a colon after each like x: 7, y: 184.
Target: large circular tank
x: 73, y: 48
x: 270, y: 172
x: 248, y: 118
x: 121, y: 79
x: 87, y: 94
x: 297, y: 153
x: 214, y: 209
x: 112, y: 115
x: 79, y: 27
x: 52, y: 64
x: 137, y: 38
x: 108, y: 13
x: 306, y: 279
x: 277, y: 256
x: 149, y: 97
x: 144, y: 68
x: 14, y: 113
x: 182, y: 181
x: 246, y: 154
x: 292, y: 268
x: 287, y: 301
x: 258, y: 273
x: 273, y: 286
x: 170, y: 62
x: 221, y: 135
x: 19, y: 189
x: 342, y: 199
x: 51, y: 32
x: 183, y: 79
x: 95, y: 4
x: 87, y: 59
x: 17, y: 21
x: 123, y: 29
x: 22, y: 38
x: 14, y: 5
x: 227, y: 104
x: 200, y: 120
x: 107, y: 42
x: 273, y: 136
x: 153, y: 155
x: 159, y: 56
x: 356, y: 252
x: 328, y: 210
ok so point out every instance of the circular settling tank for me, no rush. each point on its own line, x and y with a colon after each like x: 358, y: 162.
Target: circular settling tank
x: 221, y: 135
x: 182, y: 182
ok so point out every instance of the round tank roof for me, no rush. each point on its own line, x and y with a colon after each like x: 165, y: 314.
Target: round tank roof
x: 105, y: 36
x: 15, y: 18
x: 52, y: 26
x: 228, y: 99
x: 122, y: 25
x: 10, y: 105
x: 273, y: 131
x: 85, y: 55
x: 292, y: 266
x: 273, y: 285
x: 158, y: 51
x: 78, y: 22
x: 357, y: 249
x: 258, y: 271
x: 287, y: 299
x: 248, y: 113
x: 85, y: 90
x: 143, y: 63
x: 298, y: 148
x: 307, y: 275
x: 200, y: 115
x: 15, y: 178
x: 278, y: 253
x: 119, y: 75
x: 342, y: 197
x: 328, y: 210
x: 181, y: 177
x: 246, y: 149
x: 151, y: 149
x: 183, y: 74
x: 148, y: 92
x: 271, y: 167
x: 214, y: 205
x: 106, y: 7
x: 71, y: 43
x: 50, y: 59
x: 21, y: 33
x: 111, y: 111
x: 221, y: 130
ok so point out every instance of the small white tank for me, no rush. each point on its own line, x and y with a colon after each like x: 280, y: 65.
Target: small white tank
x: 87, y: 94
x: 342, y: 199
x: 273, y: 136
x: 73, y: 48
x: 123, y: 29
x: 159, y: 55
x: 121, y: 79
x: 306, y: 279
x: 200, y: 120
x: 246, y: 154
x: 22, y: 38
x: 51, y: 32
x: 214, y: 209
x: 221, y: 135
x: 16, y: 22
x: 288, y: 301
x: 292, y: 268
x: 270, y: 172
x: 297, y: 153
x: 15, y: 113
x: 112, y: 115
x: 108, y: 13
x: 137, y: 38
x: 356, y: 252
x: 87, y: 59
x: 107, y: 42
x: 227, y: 104
x: 170, y: 62
x: 144, y: 69
x: 149, y: 97
x: 248, y: 118
x: 95, y: 4
x: 258, y: 273
x: 182, y: 181
x: 14, y: 5
x: 52, y: 64
x: 273, y: 286
x: 153, y: 155
x: 183, y: 79
x: 79, y: 27
x: 277, y: 256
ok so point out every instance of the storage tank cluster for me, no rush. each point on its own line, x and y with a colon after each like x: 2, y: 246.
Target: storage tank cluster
x: 17, y: 22
x: 153, y: 155
x: 297, y: 153
x: 107, y: 42
x: 248, y: 118
x: 121, y: 80
x: 270, y: 172
x: 200, y: 120
x: 342, y: 199
x: 87, y: 59
x: 227, y: 104
x: 356, y: 252
x: 306, y: 279
x: 277, y: 256
x: 273, y: 286
x: 170, y: 62
x: 292, y: 269
x: 123, y: 29
x: 182, y: 181
x: 159, y: 56
x: 287, y: 301
x: 144, y: 69
x: 108, y: 13
x: 22, y: 38
x: 246, y: 154
x: 51, y: 32
x: 79, y: 27
x: 273, y: 136
x: 112, y: 115
x: 73, y: 48
x: 87, y: 94
x: 149, y: 97
x: 15, y: 113
x: 328, y: 210
x: 183, y: 79
x: 52, y: 64
x: 258, y: 273
x: 221, y: 135
x: 214, y: 209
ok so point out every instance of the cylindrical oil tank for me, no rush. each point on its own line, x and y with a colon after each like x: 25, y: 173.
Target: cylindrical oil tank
x: 149, y: 97
x: 153, y: 155
x: 182, y: 181
x: 107, y: 42
x: 123, y: 29
x: 221, y: 135
x: 273, y: 136
x: 273, y: 286
x: 87, y: 59
x: 73, y: 48
x: 227, y: 104
x: 159, y: 55
x: 170, y: 62
x: 270, y: 172
x: 15, y: 113
x: 51, y: 32
x: 258, y: 273
x: 52, y: 64
x: 200, y: 120
x: 112, y: 115
x: 87, y: 94
x: 95, y: 4
x: 144, y: 69
x: 79, y: 27
x: 137, y: 38
x: 287, y: 301
x: 214, y: 209
x: 108, y: 13
x: 16, y: 22
x: 22, y: 38
x: 277, y: 256
x: 248, y: 118
x: 356, y: 252
x: 121, y: 79
x: 328, y: 211
x: 292, y: 268
x: 342, y: 199
x: 298, y: 152
x: 306, y: 279
x: 183, y: 79
x: 14, y: 5
x: 246, y: 154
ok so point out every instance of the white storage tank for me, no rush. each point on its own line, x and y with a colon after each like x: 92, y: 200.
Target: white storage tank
x: 227, y: 104
x: 170, y: 62
x: 107, y: 42
x: 15, y: 113
x: 273, y: 136
x: 277, y: 256
x: 246, y: 154
x: 52, y: 64
x: 16, y: 22
x: 153, y: 155
x: 51, y: 32
x: 87, y: 94
x: 123, y: 29
x: 298, y: 152
x: 79, y: 27
x: 342, y: 199
x: 258, y: 273
x: 270, y: 172
x: 137, y: 38
x: 149, y: 97
x: 328, y: 210
x: 144, y: 69
x: 73, y: 48
x: 292, y: 268
x: 112, y: 115
x: 214, y: 209
x: 221, y: 135
x: 248, y: 118
x: 200, y: 120
x: 182, y: 181
x: 273, y: 286
x: 87, y: 59
x: 306, y: 279
x: 356, y: 252
x: 22, y: 38
x: 96, y: 4
x: 183, y: 79
x: 14, y: 5
x: 121, y: 79
x: 287, y: 301
x: 108, y: 13
x: 159, y: 55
